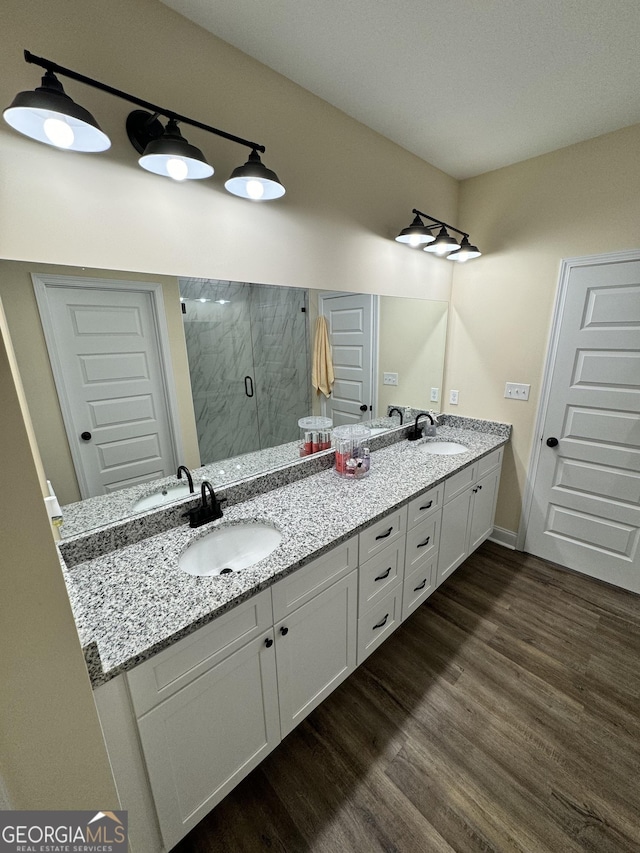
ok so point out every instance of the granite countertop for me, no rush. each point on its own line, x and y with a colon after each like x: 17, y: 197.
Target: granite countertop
x: 131, y: 603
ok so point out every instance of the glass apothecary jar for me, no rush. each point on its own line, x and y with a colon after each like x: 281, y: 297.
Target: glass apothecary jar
x: 351, y: 443
x: 315, y: 434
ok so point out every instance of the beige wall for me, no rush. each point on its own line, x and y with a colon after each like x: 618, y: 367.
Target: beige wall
x: 17, y: 293
x: 421, y: 327
x: 53, y: 755
x: 577, y: 201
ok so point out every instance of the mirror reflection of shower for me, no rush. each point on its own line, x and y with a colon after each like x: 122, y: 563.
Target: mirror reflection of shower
x: 248, y: 351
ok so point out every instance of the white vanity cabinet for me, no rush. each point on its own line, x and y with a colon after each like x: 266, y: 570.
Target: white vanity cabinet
x: 468, y: 512
x: 315, y: 613
x: 423, y: 543
x: 210, y: 707
x: 219, y: 718
x: 381, y: 573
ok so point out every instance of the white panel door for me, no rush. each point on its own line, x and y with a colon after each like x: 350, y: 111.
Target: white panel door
x: 585, y: 512
x: 104, y: 348
x: 350, y: 322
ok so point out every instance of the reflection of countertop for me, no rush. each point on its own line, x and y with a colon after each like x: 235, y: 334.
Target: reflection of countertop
x: 133, y: 602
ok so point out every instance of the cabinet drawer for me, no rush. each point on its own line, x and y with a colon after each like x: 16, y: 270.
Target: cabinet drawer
x: 376, y: 624
x: 488, y: 463
x: 382, y: 533
x: 379, y: 574
x: 418, y: 586
x: 301, y: 586
x: 152, y: 681
x: 457, y: 483
x: 424, y: 505
x: 422, y: 542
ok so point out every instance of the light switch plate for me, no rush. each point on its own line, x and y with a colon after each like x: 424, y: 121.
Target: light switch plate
x: 390, y: 379
x: 517, y: 391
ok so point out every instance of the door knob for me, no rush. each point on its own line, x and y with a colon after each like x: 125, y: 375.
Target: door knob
x: 363, y: 407
x: 552, y: 442
x: 85, y: 436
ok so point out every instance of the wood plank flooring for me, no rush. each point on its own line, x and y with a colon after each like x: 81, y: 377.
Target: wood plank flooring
x: 504, y: 715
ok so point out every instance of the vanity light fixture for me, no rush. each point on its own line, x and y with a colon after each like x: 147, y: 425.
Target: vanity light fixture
x: 49, y: 115
x: 419, y: 235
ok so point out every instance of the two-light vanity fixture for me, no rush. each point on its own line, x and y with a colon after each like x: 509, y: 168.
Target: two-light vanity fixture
x: 419, y: 235
x: 49, y: 115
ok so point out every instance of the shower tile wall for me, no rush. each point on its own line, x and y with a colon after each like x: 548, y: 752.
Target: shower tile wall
x: 259, y: 332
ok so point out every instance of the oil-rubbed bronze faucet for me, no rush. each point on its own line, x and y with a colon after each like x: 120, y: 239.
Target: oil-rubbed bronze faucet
x: 208, y: 510
x: 396, y: 409
x: 184, y: 468
x: 415, y: 433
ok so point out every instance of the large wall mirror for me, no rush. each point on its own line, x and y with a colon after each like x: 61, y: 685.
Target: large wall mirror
x: 146, y: 372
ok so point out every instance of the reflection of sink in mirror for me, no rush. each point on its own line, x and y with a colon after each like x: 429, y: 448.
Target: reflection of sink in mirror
x: 165, y: 496
x: 229, y: 549
x: 444, y: 448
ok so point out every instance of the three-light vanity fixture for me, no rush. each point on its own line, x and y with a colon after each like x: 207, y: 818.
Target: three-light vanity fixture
x: 49, y: 115
x: 419, y: 235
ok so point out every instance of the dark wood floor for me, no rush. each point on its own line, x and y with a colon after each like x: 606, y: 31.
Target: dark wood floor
x: 504, y: 715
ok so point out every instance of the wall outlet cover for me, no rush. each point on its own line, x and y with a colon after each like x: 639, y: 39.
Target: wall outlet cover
x: 453, y: 398
x: 434, y: 395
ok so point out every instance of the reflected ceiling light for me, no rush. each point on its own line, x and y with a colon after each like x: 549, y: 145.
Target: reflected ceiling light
x: 254, y: 181
x: 49, y: 115
x: 418, y: 234
x: 443, y: 243
x: 222, y: 301
x: 465, y: 253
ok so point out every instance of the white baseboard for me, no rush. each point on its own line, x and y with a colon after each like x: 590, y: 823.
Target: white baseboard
x: 504, y: 537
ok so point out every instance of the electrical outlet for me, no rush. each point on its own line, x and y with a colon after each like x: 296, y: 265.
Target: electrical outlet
x: 516, y: 391
x: 453, y: 398
x: 390, y: 379
x: 434, y: 395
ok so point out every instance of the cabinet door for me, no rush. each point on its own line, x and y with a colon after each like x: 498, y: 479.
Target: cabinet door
x: 203, y: 740
x: 453, y: 534
x: 316, y: 650
x: 483, y: 509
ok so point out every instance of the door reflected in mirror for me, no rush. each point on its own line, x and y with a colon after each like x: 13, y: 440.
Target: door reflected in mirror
x: 235, y: 387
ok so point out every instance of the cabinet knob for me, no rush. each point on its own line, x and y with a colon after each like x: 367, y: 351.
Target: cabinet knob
x: 268, y: 642
x: 552, y: 442
x: 284, y: 631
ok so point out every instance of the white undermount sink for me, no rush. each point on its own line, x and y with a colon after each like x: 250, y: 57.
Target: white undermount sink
x: 164, y: 496
x: 444, y: 448
x: 228, y: 549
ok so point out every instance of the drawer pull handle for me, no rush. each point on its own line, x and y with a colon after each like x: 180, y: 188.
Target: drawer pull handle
x: 426, y: 506
x: 384, y: 535
x: 383, y: 575
x: 422, y: 586
x: 422, y: 544
x: 284, y: 631
x: 268, y: 642
x: 381, y: 624
x: 479, y: 488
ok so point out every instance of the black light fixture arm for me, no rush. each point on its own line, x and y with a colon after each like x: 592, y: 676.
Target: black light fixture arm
x: 48, y: 65
x: 439, y: 222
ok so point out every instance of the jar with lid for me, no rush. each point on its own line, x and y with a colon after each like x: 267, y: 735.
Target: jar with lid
x: 352, y: 452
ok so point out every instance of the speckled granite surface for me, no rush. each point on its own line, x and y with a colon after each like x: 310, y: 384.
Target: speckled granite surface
x: 131, y: 603
x: 238, y: 479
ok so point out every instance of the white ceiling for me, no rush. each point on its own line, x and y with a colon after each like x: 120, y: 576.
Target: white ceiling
x: 468, y: 85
